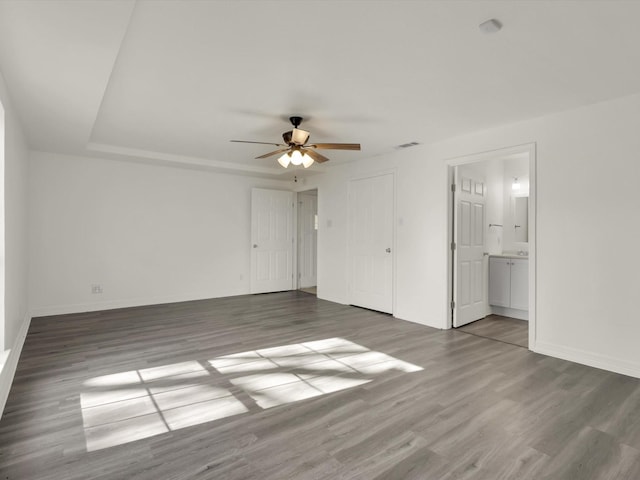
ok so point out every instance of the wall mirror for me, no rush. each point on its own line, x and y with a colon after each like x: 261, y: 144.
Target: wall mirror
x: 521, y: 219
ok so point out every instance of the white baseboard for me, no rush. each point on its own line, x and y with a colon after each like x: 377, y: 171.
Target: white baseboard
x: 126, y: 303
x: 588, y: 358
x: 9, y: 363
x: 427, y: 322
x: 509, y: 312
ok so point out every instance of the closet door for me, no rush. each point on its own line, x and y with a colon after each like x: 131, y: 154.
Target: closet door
x: 371, y: 203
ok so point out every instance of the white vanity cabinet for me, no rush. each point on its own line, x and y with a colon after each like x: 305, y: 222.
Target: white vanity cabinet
x: 509, y: 282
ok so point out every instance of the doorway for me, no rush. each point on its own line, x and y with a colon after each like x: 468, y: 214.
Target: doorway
x: 307, y: 251
x: 492, y: 239
x: 271, y: 240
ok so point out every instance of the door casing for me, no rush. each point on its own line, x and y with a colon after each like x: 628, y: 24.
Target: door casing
x: 308, y: 248
x: 272, y: 240
x: 530, y: 150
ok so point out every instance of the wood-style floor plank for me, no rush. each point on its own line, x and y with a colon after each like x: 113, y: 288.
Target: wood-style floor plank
x: 503, y: 329
x: 286, y: 386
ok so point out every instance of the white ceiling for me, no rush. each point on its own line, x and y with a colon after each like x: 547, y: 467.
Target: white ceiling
x: 174, y: 81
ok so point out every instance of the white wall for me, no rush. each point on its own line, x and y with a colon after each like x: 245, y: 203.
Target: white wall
x: 16, y: 315
x: 588, y: 177
x: 2, y: 225
x: 147, y: 234
x: 420, y: 296
x: 15, y: 204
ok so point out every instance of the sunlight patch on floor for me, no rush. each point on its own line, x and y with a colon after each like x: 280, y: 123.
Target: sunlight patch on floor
x: 124, y: 407
x: 129, y: 406
x: 312, y: 369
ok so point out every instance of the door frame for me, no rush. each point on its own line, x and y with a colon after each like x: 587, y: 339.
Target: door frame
x: 296, y: 253
x: 394, y: 259
x: 503, y: 153
x: 293, y: 217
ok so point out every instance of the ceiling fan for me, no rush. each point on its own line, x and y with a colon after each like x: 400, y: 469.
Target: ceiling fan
x: 296, y: 149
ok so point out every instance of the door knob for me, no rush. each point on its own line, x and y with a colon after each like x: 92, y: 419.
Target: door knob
x: 255, y: 245
x: 388, y: 250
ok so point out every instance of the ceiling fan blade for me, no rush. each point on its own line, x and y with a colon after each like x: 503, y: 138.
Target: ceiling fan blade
x: 316, y: 156
x: 335, y: 146
x: 259, y: 143
x: 274, y: 153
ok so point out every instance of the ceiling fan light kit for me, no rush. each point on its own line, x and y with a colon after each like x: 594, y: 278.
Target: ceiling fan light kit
x: 284, y: 160
x: 307, y: 161
x: 295, y: 157
x: 297, y: 151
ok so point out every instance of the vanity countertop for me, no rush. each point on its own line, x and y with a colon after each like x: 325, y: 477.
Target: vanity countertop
x: 509, y: 255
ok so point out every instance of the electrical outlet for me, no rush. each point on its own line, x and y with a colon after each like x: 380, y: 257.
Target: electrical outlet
x: 96, y: 288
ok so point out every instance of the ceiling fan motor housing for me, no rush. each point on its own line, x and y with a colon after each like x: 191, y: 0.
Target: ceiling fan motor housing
x: 295, y: 137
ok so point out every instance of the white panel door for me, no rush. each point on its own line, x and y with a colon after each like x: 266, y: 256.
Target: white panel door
x: 370, y: 243
x: 307, y: 240
x: 271, y: 240
x: 469, y: 271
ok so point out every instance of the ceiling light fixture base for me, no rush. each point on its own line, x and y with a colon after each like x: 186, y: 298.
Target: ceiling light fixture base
x: 295, y: 121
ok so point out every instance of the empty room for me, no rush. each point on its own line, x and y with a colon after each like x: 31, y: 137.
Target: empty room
x: 357, y: 239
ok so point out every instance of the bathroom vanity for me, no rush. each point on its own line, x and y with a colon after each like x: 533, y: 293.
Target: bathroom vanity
x: 509, y: 285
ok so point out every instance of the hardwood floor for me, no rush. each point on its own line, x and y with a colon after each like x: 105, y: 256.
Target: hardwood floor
x: 502, y: 329
x: 286, y: 386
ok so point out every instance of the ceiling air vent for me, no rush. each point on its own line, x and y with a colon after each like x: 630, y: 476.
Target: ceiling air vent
x: 407, y: 145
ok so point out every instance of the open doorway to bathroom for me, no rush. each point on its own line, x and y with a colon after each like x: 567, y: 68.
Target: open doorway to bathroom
x: 307, y: 256
x: 492, y: 239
